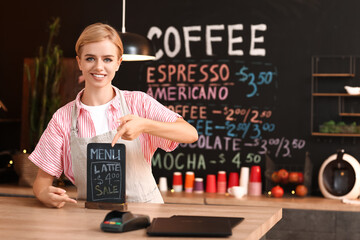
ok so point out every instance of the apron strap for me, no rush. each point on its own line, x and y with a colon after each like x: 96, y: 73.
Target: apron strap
x: 74, y: 129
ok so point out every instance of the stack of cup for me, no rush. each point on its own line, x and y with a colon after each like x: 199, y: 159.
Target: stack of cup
x: 177, y: 182
x: 189, y: 181
x: 255, y: 181
x: 244, y: 178
x: 221, y: 182
x: 163, y: 184
x: 199, y: 185
x: 233, y: 179
x: 211, y: 183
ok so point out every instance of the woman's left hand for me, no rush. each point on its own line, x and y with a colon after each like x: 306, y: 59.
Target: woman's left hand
x: 130, y: 128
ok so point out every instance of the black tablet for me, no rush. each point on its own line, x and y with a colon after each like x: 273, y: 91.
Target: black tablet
x: 192, y: 226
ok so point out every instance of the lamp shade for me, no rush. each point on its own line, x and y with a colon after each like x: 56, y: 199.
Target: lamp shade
x: 137, y: 47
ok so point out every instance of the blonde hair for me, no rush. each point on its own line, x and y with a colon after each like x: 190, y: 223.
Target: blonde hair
x: 98, y: 32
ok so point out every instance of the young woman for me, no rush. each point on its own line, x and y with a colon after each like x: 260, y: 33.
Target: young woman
x: 103, y: 113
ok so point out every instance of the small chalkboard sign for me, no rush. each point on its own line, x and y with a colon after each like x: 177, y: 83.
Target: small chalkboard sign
x: 106, y: 173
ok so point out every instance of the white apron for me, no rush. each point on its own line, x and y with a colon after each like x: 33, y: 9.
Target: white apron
x: 140, y: 183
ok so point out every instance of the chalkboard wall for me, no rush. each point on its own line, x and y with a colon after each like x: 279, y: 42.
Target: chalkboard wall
x: 239, y: 71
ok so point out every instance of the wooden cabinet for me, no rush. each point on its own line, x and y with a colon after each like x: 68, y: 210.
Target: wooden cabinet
x: 329, y: 100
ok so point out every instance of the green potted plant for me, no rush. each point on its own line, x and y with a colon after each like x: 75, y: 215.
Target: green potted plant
x: 44, y: 96
x: 43, y: 82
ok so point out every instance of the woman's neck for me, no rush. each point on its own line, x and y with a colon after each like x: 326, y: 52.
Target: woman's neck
x: 96, y: 97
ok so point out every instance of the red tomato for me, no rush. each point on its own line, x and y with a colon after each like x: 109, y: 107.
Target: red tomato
x: 275, y: 177
x: 301, y: 190
x: 283, y: 174
x: 277, y: 191
x: 294, y: 177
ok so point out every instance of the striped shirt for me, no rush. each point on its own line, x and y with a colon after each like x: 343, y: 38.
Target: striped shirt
x: 52, y: 153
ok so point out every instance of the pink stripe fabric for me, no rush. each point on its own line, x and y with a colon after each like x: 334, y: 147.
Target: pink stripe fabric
x: 52, y: 153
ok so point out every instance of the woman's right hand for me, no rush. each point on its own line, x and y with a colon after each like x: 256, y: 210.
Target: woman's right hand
x: 49, y: 195
x: 54, y: 197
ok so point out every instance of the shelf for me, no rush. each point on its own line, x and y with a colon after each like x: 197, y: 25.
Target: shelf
x: 350, y: 114
x: 333, y: 75
x: 334, y: 95
x: 335, y: 134
x: 340, y: 68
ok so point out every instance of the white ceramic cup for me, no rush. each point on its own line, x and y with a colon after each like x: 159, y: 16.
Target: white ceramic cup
x: 237, y: 191
x: 163, y: 187
x: 244, y: 178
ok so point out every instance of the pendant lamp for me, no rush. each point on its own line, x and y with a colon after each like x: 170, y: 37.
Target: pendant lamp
x: 136, y: 47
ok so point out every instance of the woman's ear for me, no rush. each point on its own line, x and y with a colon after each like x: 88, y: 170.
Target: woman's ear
x: 78, y: 61
x: 119, y: 63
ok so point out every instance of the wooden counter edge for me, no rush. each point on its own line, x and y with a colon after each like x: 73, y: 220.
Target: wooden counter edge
x: 306, y: 203
x: 265, y: 227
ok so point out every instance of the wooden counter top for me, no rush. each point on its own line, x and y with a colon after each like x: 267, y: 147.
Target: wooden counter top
x: 307, y: 203
x: 183, y: 197
x: 27, y: 218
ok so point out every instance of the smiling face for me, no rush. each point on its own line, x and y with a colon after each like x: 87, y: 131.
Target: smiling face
x: 99, y: 62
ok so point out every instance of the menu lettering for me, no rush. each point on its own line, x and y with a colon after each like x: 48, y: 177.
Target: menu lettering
x: 231, y: 101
